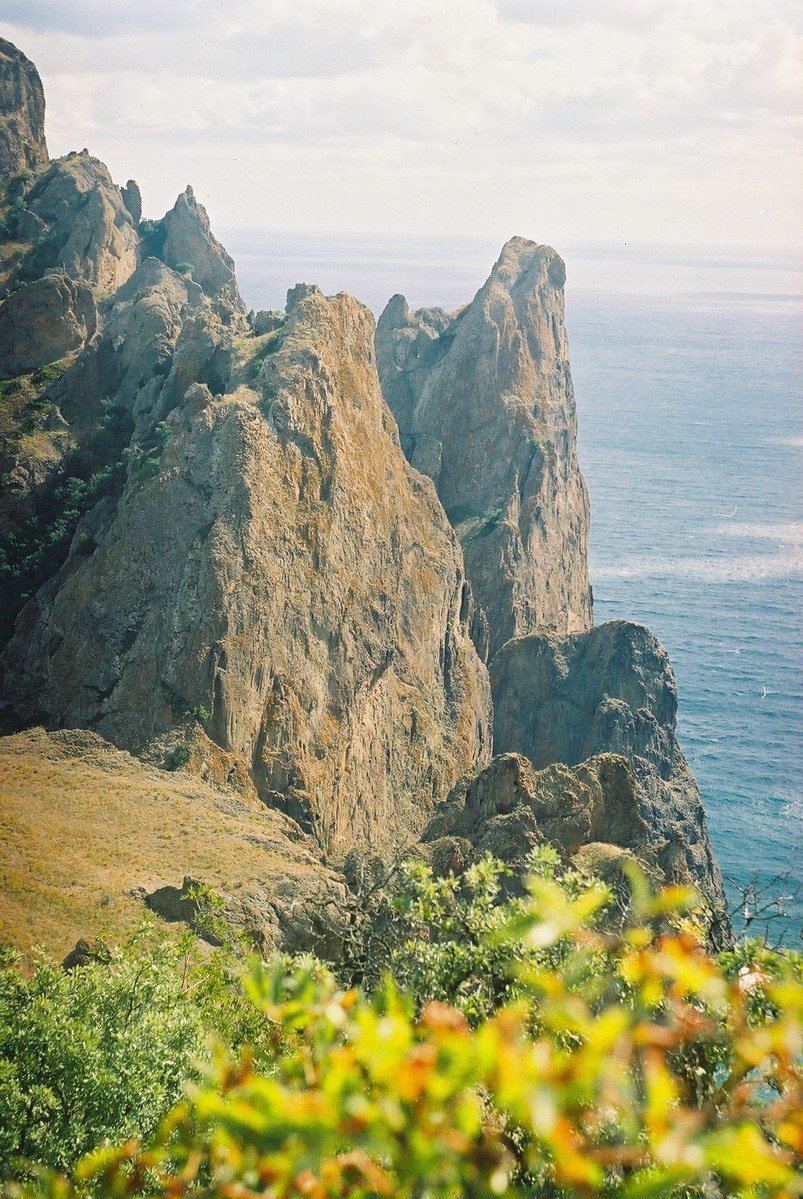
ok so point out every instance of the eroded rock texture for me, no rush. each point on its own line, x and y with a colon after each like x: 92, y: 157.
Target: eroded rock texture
x: 190, y: 244
x: 22, y: 113
x: 510, y: 808
x: 218, y: 556
x: 610, y: 690
x: 43, y: 321
x: 76, y: 217
x: 281, y: 566
x: 484, y: 402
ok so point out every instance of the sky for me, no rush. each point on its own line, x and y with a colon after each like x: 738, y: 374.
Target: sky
x: 625, y: 121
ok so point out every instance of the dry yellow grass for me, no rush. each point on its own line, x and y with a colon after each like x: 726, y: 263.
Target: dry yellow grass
x: 82, y: 823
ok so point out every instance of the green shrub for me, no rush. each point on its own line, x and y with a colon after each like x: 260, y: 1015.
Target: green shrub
x: 32, y: 552
x: 576, y: 1083
x: 91, y: 1054
x: 458, y: 942
x: 46, y: 375
x: 179, y: 757
x: 146, y: 456
x: 481, y: 526
x: 100, y: 1052
x: 184, y: 268
x: 153, y: 235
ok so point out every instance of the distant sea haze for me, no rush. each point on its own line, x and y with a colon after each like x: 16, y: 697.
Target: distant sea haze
x: 687, y: 367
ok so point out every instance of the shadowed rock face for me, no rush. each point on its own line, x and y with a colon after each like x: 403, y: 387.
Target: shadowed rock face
x: 610, y: 690
x: 285, y: 569
x: 485, y: 407
x: 22, y: 113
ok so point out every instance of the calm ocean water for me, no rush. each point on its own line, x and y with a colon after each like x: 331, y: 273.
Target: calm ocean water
x: 688, y: 369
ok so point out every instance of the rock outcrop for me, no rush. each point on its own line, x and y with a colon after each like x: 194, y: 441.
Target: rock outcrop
x: 510, y: 808
x: 22, y: 113
x: 77, y: 218
x: 610, y: 690
x: 485, y: 407
x: 129, y: 363
x: 43, y: 321
x: 190, y: 244
x: 275, y: 561
x: 306, y: 918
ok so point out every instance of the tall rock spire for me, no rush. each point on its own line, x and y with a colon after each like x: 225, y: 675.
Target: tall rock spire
x: 22, y: 113
x: 485, y: 407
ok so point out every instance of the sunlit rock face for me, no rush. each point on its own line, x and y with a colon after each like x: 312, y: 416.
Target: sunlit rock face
x: 484, y: 402
x: 223, y: 550
x: 283, y: 569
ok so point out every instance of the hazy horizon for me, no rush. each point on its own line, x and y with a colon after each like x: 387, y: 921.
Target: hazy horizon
x: 641, y: 122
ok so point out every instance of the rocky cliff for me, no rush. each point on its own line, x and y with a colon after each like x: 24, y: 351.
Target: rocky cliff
x: 22, y: 113
x: 610, y: 690
x: 221, y: 552
x: 274, y: 561
x: 484, y: 402
x: 510, y: 808
x: 190, y: 244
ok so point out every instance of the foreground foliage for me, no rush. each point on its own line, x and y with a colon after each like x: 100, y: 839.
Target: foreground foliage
x: 102, y: 1052
x: 626, y: 1062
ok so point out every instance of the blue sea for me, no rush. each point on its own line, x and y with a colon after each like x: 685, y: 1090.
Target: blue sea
x: 687, y: 366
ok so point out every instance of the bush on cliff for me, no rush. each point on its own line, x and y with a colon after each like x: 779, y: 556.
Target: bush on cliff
x: 627, y: 1063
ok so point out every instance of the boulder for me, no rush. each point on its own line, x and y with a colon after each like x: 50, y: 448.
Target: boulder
x: 87, y: 952
x: 44, y: 321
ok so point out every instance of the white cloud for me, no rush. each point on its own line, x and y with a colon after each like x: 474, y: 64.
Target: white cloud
x: 622, y: 119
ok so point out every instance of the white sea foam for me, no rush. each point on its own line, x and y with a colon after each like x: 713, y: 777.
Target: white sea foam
x: 790, y: 532
x: 742, y: 568
x: 795, y: 442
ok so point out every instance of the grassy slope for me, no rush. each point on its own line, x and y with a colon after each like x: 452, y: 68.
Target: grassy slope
x: 81, y: 823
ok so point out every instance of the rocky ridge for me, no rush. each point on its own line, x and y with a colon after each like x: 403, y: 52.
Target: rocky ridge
x: 315, y: 610
x: 221, y: 552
